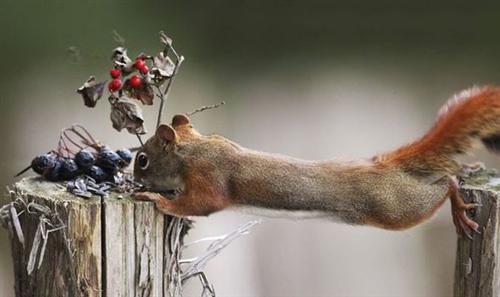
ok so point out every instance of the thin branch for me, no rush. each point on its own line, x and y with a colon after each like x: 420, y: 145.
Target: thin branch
x: 164, y: 95
x: 206, y: 107
x: 118, y: 38
x: 212, y: 238
x: 16, y: 223
x: 35, y: 247
x: 140, y: 140
x: 92, y: 139
x: 214, y: 249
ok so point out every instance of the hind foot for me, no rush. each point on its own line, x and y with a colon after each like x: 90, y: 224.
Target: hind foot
x: 464, y: 225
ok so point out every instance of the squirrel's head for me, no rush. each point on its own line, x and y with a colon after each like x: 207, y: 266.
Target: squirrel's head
x: 159, y: 163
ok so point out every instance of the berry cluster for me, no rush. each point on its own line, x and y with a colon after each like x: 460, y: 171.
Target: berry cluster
x: 101, y: 166
x: 134, y: 81
x: 79, y: 154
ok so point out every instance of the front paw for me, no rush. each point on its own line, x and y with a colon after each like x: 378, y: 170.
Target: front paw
x: 147, y: 196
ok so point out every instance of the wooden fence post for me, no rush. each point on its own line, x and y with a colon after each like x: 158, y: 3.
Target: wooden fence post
x: 477, y: 268
x: 67, y: 246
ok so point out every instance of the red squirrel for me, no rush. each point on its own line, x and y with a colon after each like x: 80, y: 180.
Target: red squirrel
x: 189, y: 174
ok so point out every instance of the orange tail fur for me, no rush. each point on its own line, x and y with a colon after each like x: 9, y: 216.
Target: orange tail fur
x: 473, y: 114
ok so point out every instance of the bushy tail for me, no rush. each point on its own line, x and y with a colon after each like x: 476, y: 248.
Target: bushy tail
x: 473, y: 114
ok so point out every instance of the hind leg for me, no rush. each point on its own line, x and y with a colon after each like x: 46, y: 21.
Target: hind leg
x: 464, y: 225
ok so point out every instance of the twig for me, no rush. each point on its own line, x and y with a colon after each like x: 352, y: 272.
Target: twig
x: 140, y: 139
x: 17, y: 225
x: 92, y: 141
x: 85, y: 140
x: 208, y: 289
x: 162, y: 103
x: 118, y: 38
x: 206, y: 107
x: 23, y: 171
x: 212, y: 238
x: 35, y: 247
x: 164, y: 95
x: 214, y: 249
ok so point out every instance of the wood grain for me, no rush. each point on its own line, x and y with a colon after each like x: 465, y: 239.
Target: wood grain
x: 477, y: 267
x: 109, y: 247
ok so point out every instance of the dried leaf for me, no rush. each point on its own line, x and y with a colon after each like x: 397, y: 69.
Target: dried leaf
x: 127, y: 114
x: 120, y: 55
x: 163, y: 67
x: 144, y: 93
x: 121, y: 60
x: 91, y: 91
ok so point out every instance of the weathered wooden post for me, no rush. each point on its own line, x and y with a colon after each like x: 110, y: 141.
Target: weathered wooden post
x: 477, y: 270
x: 63, y: 245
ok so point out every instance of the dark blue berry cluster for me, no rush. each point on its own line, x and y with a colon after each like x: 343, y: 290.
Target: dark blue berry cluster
x: 101, y: 165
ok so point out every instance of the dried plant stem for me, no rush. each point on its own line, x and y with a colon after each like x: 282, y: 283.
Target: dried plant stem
x: 140, y: 139
x: 78, y: 136
x: 162, y: 103
x: 118, y: 38
x: 197, y: 265
x: 206, y: 107
x: 164, y: 94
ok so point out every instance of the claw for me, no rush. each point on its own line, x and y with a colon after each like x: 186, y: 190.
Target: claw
x: 146, y: 196
x: 464, y: 231
x: 464, y: 225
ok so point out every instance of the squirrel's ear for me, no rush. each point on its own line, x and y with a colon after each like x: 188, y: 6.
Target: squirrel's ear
x: 180, y: 119
x: 166, y: 133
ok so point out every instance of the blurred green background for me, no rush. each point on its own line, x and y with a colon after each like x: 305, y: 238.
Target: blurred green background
x: 313, y: 79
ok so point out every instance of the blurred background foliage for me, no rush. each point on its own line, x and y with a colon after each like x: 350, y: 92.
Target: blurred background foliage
x: 314, y: 79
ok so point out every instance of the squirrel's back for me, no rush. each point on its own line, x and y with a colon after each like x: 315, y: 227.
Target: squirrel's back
x: 472, y: 114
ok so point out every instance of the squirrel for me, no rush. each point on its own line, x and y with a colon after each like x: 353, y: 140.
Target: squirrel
x: 189, y: 174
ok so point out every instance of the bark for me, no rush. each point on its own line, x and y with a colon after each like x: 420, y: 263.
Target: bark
x: 63, y: 245
x: 477, y: 270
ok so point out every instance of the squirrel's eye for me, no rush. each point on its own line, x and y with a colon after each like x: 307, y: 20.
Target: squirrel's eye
x: 143, y: 161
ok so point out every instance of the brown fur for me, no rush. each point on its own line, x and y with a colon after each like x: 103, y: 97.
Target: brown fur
x: 473, y: 114
x: 395, y: 190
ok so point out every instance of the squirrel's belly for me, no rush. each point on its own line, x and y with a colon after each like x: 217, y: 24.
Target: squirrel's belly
x: 288, y: 214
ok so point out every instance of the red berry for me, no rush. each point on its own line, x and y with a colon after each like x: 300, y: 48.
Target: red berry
x: 144, y: 69
x: 115, y: 73
x: 139, y: 63
x: 135, y: 81
x: 114, y: 85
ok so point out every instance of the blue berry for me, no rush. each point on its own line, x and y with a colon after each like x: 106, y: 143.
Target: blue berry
x: 97, y: 173
x: 84, y: 159
x: 54, y: 173
x: 108, y: 159
x: 42, y: 163
x: 109, y: 170
x: 69, y: 169
x: 126, y: 157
